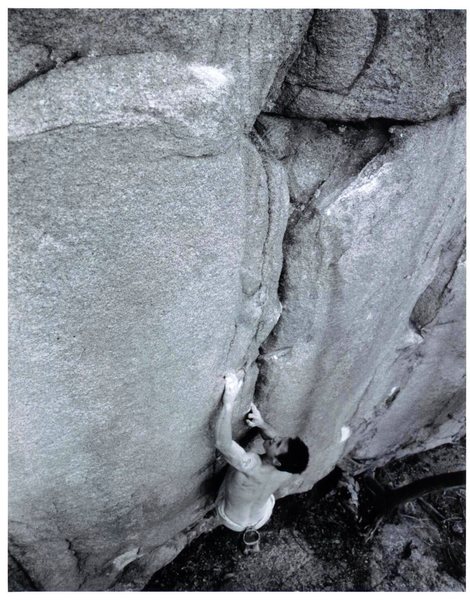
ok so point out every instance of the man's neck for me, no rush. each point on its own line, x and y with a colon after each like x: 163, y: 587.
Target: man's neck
x: 266, y: 460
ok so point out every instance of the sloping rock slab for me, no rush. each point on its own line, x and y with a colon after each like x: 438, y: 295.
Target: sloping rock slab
x: 346, y: 365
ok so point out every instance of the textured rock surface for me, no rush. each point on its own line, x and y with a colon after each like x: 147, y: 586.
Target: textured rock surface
x: 345, y: 364
x: 138, y: 276
x: 360, y: 64
x: 149, y: 224
x: 192, y: 73
x: 126, y: 290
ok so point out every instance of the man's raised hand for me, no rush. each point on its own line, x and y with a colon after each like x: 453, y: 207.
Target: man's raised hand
x: 254, y: 418
x: 233, y: 383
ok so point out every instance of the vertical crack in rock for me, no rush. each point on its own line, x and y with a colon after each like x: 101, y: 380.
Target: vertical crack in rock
x: 41, y: 69
x: 280, y: 81
x: 308, y: 325
x: 259, y: 284
x: 314, y: 221
x: 381, y: 18
x: 19, y: 579
x: 271, y: 263
x: 430, y: 301
x: 269, y: 230
x: 308, y: 212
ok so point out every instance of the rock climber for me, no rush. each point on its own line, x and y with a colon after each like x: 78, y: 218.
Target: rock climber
x: 247, y: 495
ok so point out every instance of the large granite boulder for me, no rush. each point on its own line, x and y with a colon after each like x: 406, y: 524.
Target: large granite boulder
x: 127, y: 285
x: 145, y: 253
x: 163, y: 230
x: 365, y: 358
x: 167, y: 67
x: 362, y: 64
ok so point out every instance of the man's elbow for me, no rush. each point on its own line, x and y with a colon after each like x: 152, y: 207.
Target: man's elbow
x: 222, y: 445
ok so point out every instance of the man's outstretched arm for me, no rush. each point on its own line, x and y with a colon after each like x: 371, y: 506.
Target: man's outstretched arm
x: 254, y: 419
x: 233, y: 452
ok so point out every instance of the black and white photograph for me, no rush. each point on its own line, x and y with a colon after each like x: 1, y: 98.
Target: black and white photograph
x: 236, y: 297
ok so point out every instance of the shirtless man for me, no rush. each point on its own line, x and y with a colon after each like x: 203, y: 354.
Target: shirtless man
x: 247, y: 495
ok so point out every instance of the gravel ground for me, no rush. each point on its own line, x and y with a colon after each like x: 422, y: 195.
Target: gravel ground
x: 313, y: 541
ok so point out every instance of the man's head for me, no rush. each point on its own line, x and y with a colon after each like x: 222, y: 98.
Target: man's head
x: 287, y: 454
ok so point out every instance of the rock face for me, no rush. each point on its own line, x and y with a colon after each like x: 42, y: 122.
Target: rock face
x: 361, y: 64
x: 189, y: 73
x: 164, y: 229
x: 345, y: 364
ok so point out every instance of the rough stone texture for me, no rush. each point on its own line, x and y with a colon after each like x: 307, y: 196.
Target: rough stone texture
x: 360, y: 64
x: 345, y: 366
x: 149, y: 223
x: 127, y: 290
x: 26, y: 62
x: 139, y: 275
x: 430, y: 410
x: 193, y: 73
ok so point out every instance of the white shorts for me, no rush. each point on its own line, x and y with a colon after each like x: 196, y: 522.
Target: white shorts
x: 268, y: 510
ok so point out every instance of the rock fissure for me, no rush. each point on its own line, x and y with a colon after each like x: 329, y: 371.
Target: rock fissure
x: 261, y: 149
x: 39, y: 69
x: 44, y: 68
x: 430, y: 301
x: 381, y: 18
x: 447, y: 287
x: 281, y: 191
x: 21, y: 573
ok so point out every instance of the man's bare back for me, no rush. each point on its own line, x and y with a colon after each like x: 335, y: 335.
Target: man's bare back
x: 246, y: 497
x: 247, y: 493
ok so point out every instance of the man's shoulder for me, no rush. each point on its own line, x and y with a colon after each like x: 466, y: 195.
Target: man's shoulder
x: 252, y: 460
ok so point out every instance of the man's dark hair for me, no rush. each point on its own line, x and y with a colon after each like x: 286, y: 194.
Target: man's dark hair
x: 295, y: 460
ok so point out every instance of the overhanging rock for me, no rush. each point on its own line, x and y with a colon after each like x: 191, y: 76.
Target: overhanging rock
x: 143, y: 264
x: 360, y: 64
x: 345, y: 364
x: 163, y: 229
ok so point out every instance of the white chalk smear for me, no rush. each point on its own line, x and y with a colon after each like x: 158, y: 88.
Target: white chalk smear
x: 213, y: 77
x: 345, y: 433
x: 48, y: 241
x: 123, y: 560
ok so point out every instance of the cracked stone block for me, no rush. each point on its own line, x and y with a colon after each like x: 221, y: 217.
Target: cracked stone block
x: 360, y: 64
x: 168, y: 65
x: 336, y: 50
x: 157, y: 238
x: 125, y: 288
x: 359, y: 252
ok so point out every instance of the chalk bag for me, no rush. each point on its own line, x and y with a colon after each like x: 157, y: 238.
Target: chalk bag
x: 251, y: 540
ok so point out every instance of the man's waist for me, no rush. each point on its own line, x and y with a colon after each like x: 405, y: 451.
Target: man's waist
x: 248, y: 508
x: 239, y: 517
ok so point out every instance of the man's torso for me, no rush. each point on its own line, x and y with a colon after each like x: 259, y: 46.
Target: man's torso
x: 247, y: 494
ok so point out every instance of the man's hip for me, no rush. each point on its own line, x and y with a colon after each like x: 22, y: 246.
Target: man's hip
x: 234, y: 526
